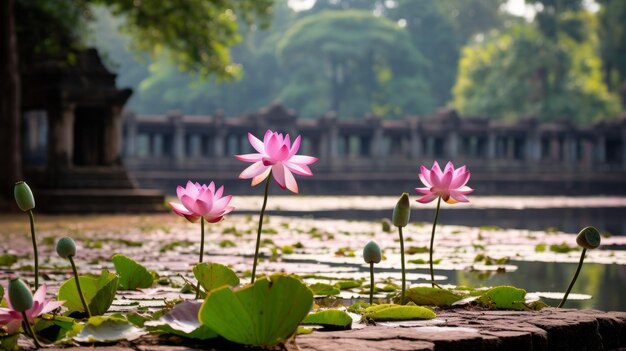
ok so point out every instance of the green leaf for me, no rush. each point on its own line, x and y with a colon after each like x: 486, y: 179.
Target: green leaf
x: 99, y: 292
x: 108, y: 329
x: 348, y: 284
x: 53, y: 328
x: 389, y: 312
x: 1, y: 293
x: 330, y: 319
x: 261, y: 314
x: 214, y: 275
x: 183, y: 321
x: 9, y: 342
x: 324, y: 289
x: 132, y: 274
x: 508, y: 297
x: 423, y: 295
x: 7, y: 260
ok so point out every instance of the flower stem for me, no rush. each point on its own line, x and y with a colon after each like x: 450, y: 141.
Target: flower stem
x: 80, y: 291
x: 432, y: 240
x: 402, y: 299
x: 258, y: 234
x: 371, y: 282
x: 29, y: 331
x: 201, y: 252
x: 571, y: 285
x: 32, y: 234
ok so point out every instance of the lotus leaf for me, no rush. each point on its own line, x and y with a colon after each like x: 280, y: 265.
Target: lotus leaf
x: 423, y: 295
x: 324, y: 289
x: 108, y: 329
x: 330, y: 319
x: 132, y: 274
x: 508, y: 297
x: 263, y: 314
x: 214, y: 275
x: 99, y: 292
x: 391, y: 312
x: 183, y: 321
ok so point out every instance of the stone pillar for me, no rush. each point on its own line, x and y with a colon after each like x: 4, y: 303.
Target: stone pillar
x: 416, y: 141
x: 600, y: 150
x: 510, y: 148
x: 61, y: 135
x: 533, y: 147
x: 453, y: 144
x: 113, y: 136
x: 569, y: 151
x: 491, y: 145
x: 131, y: 135
x: 176, y: 119
x: 376, y: 146
x: 555, y: 148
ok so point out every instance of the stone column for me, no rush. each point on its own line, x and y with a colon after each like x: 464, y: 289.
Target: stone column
x: 491, y: 145
x: 416, y: 141
x: 510, y: 148
x: 113, y: 136
x: 61, y: 135
x: 376, y: 145
x: 569, y: 151
x: 453, y: 144
x: 131, y: 135
x: 176, y: 119
x: 600, y: 150
x: 533, y: 147
x: 555, y: 149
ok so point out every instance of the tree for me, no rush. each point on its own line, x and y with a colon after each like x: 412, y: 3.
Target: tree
x: 612, y: 33
x: 194, y: 33
x: 522, y: 72
x: 352, y: 62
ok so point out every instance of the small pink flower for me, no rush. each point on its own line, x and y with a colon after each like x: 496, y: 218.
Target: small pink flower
x: 201, y: 201
x: 13, y: 319
x: 278, y: 155
x: 449, y: 184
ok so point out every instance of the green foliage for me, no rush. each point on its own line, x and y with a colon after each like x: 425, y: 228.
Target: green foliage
x: 9, y: 342
x: 7, y: 260
x: 433, y: 296
x: 507, y: 297
x: 106, y: 329
x: 324, y: 289
x: 390, y: 312
x: 348, y: 284
x: 132, y: 274
x: 99, y: 292
x: 183, y: 321
x: 522, y: 72
x: 330, y: 319
x: 214, y: 275
x: 261, y: 314
x: 612, y: 35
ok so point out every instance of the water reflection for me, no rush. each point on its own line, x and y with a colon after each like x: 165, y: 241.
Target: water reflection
x: 606, y: 283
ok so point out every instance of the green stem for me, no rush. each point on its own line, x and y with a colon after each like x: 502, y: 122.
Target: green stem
x: 571, y: 285
x: 29, y: 330
x: 432, y: 240
x: 371, y: 282
x: 32, y: 234
x: 402, y: 299
x: 80, y: 291
x: 258, y: 233
x: 201, y: 252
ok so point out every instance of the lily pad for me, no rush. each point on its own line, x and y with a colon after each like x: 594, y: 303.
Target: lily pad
x: 183, y: 321
x: 330, y: 319
x: 324, y: 289
x: 424, y: 295
x: 507, y: 297
x: 348, y: 284
x: 132, y: 274
x: 99, y: 292
x: 391, y: 312
x: 9, y: 342
x: 108, y: 329
x: 7, y: 260
x: 261, y: 314
x: 214, y: 275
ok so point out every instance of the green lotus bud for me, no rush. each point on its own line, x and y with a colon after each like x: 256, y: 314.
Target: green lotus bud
x: 402, y: 212
x: 66, y: 247
x: 371, y: 252
x: 20, y: 296
x: 24, y: 196
x: 588, y: 238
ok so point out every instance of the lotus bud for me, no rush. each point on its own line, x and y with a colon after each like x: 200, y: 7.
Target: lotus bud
x: 371, y: 252
x: 66, y: 247
x: 588, y: 238
x: 24, y: 196
x: 402, y: 211
x: 20, y: 296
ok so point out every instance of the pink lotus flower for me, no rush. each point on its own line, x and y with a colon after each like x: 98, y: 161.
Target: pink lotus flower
x: 12, y: 319
x: 449, y: 184
x: 201, y: 201
x: 278, y: 155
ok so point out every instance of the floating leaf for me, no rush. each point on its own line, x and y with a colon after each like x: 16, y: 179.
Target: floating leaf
x: 9, y: 342
x: 108, y: 329
x: 508, y: 297
x: 214, y: 275
x: 424, y: 295
x: 7, y: 260
x: 304, y: 330
x: 330, y: 319
x: 390, y: 312
x: 132, y: 274
x: 324, y: 289
x: 53, y: 328
x: 182, y: 320
x: 261, y: 314
x: 99, y: 292
x: 348, y: 284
